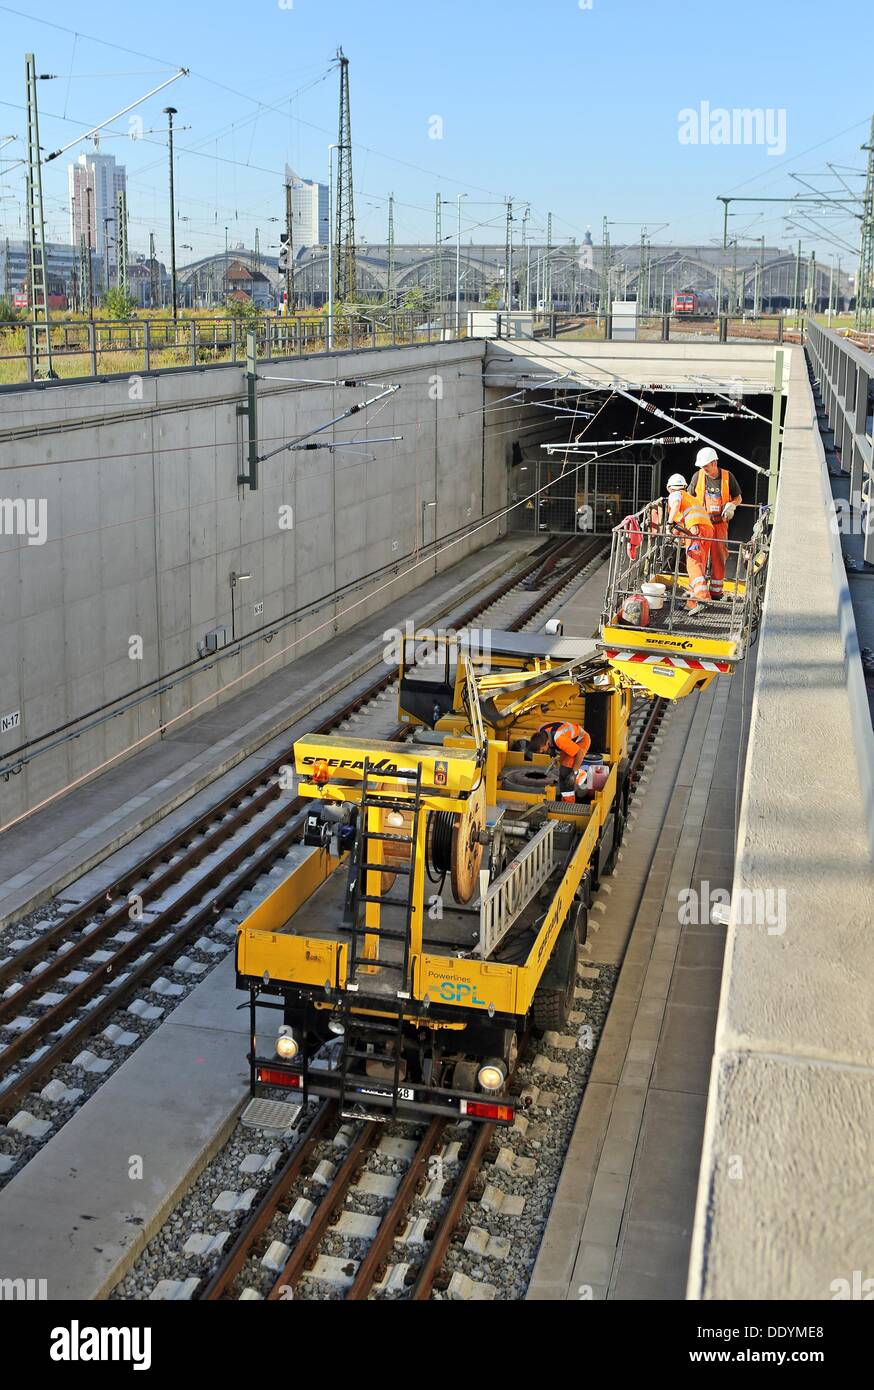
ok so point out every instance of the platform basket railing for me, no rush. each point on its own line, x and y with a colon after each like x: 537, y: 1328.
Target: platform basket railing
x: 661, y: 557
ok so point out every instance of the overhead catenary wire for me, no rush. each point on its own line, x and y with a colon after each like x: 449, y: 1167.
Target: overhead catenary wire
x: 353, y: 410
x: 653, y: 409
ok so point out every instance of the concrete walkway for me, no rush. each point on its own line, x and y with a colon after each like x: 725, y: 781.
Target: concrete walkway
x: 621, y: 1222
x: 784, y: 1205
x: 82, y: 1209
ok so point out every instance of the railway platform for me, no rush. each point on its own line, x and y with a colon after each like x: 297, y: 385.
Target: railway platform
x: 621, y: 1222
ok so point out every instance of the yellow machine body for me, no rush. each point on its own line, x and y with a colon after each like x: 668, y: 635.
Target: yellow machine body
x: 467, y: 998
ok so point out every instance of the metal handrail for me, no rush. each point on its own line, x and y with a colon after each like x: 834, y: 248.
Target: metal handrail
x: 845, y: 374
x: 220, y: 338
x: 101, y: 344
x: 660, y: 553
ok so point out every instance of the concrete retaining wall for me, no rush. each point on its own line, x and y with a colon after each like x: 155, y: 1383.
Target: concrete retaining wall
x: 784, y: 1202
x: 145, y: 522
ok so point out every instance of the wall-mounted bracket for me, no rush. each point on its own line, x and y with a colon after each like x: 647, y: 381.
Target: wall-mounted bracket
x: 250, y: 411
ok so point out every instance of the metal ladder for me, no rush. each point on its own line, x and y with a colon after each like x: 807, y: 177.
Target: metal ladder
x: 361, y: 1033
x: 370, y: 1039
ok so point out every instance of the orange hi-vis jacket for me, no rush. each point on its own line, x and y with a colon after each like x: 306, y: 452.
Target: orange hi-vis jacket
x: 708, y: 501
x: 692, y: 516
x: 566, y: 739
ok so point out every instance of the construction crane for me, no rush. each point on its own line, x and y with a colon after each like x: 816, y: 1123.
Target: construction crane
x: 344, y: 264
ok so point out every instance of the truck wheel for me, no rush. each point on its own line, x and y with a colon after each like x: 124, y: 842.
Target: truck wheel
x: 619, y: 823
x: 552, y: 1003
x: 582, y: 924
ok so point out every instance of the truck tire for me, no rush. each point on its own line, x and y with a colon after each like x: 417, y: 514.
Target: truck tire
x: 553, y: 1000
x: 582, y: 923
x: 619, y: 823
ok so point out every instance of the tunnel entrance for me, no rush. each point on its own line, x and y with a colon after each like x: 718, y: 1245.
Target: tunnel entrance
x: 608, y: 456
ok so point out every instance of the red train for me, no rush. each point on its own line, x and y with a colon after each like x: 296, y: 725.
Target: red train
x: 690, y: 304
x: 685, y: 302
x: 21, y: 300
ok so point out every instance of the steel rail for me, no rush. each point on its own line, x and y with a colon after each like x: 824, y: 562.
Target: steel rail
x: 305, y: 1248
x: 430, y: 1267
x: 267, y: 1206
x: 380, y: 1246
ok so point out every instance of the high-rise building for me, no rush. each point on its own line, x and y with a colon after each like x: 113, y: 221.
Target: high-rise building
x: 309, y: 208
x: 93, y: 183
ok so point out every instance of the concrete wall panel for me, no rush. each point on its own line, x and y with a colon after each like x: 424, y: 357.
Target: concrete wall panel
x: 146, y: 521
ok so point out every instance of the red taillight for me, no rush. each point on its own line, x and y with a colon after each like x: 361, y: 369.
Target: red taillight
x: 269, y: 1077
x: 487, y: 1110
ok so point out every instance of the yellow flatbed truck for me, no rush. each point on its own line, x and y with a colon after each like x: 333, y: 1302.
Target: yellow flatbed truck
x: 442, y: 895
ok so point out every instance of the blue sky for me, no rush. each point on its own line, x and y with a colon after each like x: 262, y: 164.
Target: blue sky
x: 572, y: 109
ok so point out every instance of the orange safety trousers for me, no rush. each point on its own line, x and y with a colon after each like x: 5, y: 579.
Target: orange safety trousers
x: 718, y: 556
x: 697, y: 554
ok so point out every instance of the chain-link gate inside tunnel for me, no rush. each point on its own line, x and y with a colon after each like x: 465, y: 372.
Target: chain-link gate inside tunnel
x: 577, y: 495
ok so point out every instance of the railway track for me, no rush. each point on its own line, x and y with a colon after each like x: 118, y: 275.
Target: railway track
x: 332, y: 1223
x: 62, y: 988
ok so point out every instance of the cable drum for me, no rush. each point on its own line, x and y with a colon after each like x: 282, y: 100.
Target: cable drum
x: 440, y: 827
x: 454, y: 845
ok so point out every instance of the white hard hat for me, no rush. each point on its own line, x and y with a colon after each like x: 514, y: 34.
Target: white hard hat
x: 676, y: 480
x: 705, y: 456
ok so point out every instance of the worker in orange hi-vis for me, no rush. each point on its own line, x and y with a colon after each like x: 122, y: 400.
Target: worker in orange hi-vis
x: 565, y: 740
x: 716, y: 489
x: 688, y: 519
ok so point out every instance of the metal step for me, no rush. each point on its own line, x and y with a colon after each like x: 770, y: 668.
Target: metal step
x: 277, y: 1116
x: 386, y: 1057
x: 360, y: 1112
x: 383, y: 902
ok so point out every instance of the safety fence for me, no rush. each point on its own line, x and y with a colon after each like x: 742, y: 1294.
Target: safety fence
x: 576, y: 495
x: 846, y: 381
x: 84, y: 349
x: 647, y: 548
x: 651, y: 326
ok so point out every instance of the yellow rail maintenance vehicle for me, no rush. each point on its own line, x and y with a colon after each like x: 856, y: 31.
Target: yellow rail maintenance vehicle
x: 443, y: 891
x: 442, y: 895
